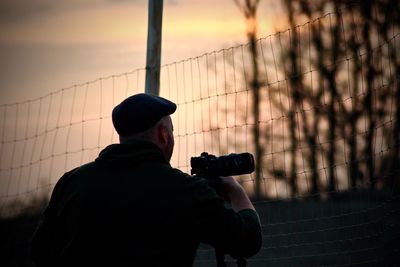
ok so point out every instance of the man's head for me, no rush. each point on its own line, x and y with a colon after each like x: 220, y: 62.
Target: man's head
x: 146, y: 117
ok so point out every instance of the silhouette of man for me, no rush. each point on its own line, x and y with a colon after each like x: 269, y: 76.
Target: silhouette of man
x: 131, y: 208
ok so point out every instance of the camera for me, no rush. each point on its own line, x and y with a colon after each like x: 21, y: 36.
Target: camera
x: 210, y: 166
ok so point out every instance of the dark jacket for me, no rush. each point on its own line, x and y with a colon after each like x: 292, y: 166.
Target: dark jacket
x: 131, y: 208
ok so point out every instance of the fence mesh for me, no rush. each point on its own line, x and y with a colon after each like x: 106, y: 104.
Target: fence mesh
x: 325, y: 103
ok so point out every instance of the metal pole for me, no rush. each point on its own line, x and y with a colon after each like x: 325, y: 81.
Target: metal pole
x: 153, y: 59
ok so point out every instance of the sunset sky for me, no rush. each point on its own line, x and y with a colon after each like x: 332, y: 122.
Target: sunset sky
x: 47, y: 45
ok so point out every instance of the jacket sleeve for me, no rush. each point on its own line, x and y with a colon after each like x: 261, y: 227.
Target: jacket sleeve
x: 234, y: 233
x: 43, y: 240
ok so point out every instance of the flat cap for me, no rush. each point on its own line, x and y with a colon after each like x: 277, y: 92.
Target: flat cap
x: 140, y: 112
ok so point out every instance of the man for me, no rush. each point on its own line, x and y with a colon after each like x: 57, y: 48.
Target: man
x: 131, y: 208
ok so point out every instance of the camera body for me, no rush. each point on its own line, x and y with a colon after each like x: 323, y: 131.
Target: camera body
x: 211, y: 167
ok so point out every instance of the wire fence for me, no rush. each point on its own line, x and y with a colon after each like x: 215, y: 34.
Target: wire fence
x: 44, y: 137
x: 328, y: 120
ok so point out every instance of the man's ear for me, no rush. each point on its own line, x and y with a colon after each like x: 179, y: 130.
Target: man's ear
x: 162, y: 135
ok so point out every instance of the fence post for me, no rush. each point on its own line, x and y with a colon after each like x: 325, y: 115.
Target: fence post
x: 153, y: 58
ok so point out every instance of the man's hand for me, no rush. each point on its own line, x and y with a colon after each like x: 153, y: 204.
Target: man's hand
x: 234, y: 193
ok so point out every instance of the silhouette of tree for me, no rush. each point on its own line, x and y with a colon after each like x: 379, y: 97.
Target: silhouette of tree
x: 359, y: 39
x: 249, y: 10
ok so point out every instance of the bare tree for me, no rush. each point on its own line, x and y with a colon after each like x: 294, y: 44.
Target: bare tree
x: 348, y: 80
x: 371, y: 87
x: 249, y: 10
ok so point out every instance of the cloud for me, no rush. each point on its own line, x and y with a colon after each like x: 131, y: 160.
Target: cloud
x: 12, y: 11
x: 17, y: 11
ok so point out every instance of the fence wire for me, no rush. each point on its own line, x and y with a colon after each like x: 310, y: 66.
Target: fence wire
x: 328, y: 122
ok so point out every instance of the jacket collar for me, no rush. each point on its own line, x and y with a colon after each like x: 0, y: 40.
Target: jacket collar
x: 130, y: 154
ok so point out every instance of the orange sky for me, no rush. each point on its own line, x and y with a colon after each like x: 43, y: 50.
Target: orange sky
x: 47, y: 45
